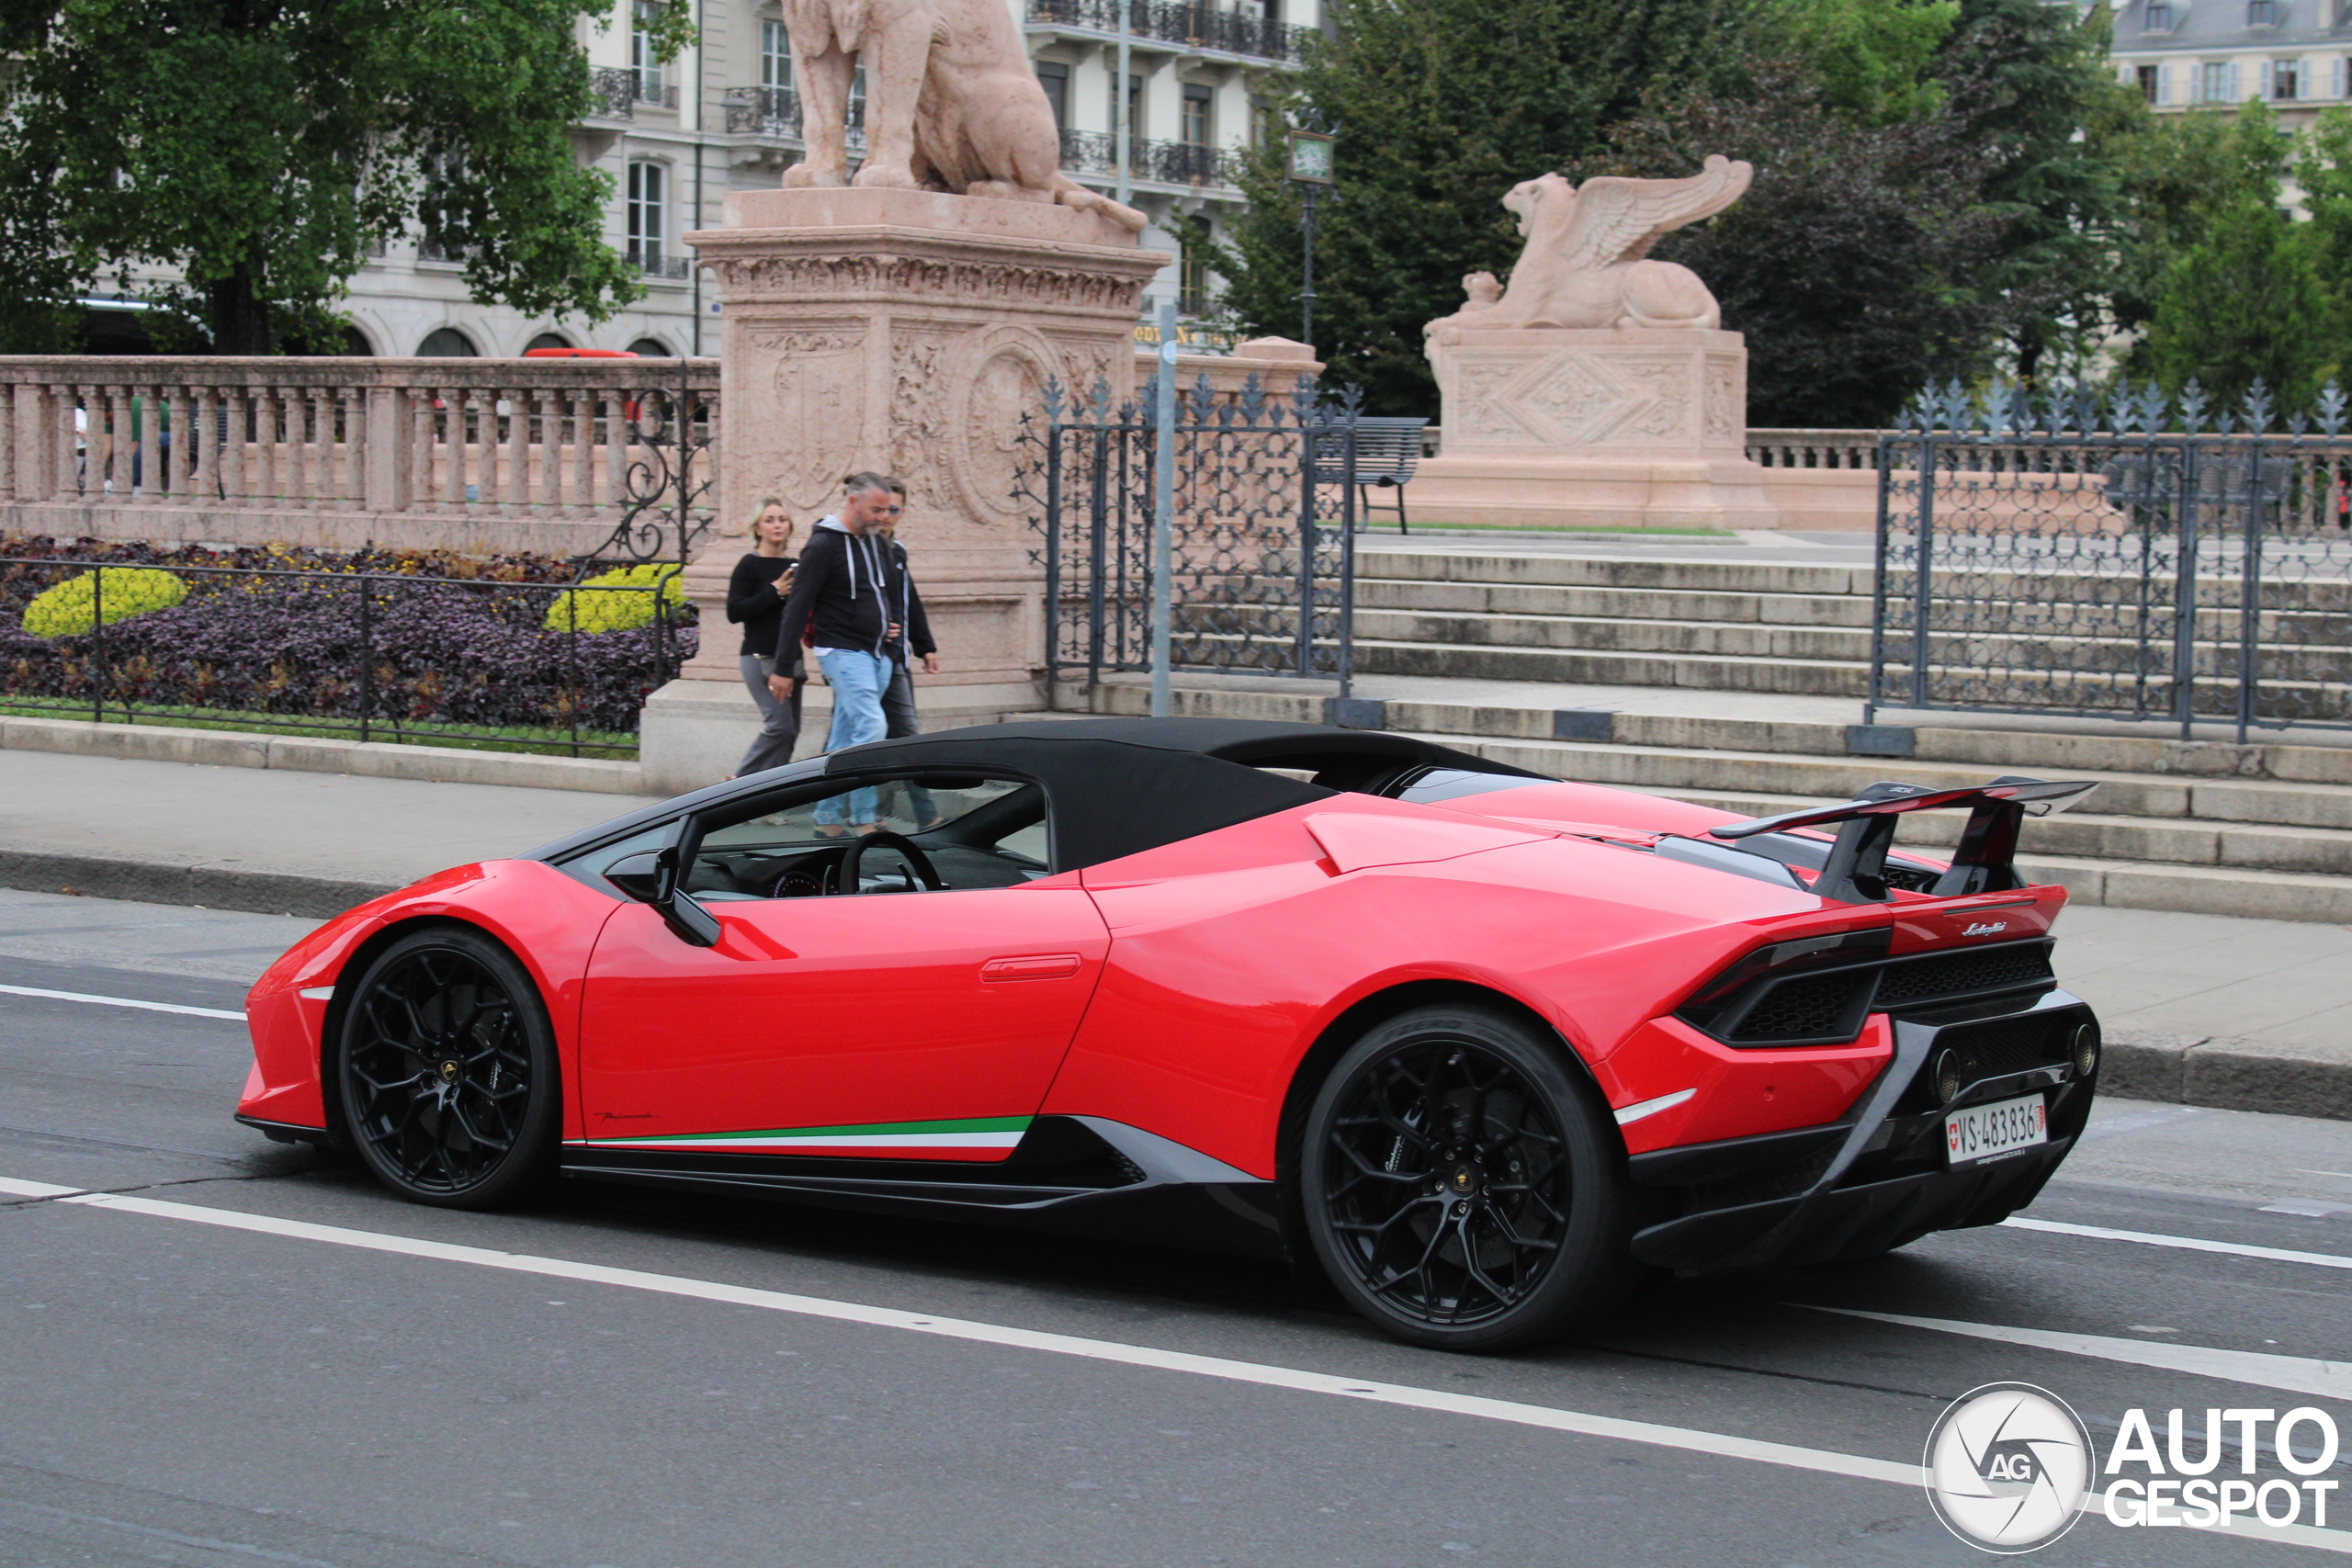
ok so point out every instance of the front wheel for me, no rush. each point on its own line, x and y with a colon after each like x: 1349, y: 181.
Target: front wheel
x: 445, y: 1069
x: 1463, y: 1186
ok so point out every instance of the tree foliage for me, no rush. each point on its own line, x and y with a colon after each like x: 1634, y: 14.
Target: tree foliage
x: 262, y: 149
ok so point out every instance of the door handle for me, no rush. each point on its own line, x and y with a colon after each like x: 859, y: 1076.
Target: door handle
x: 1033, y: 966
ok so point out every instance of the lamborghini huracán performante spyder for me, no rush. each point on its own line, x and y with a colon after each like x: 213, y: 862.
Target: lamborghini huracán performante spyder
x: 1481, y: 1044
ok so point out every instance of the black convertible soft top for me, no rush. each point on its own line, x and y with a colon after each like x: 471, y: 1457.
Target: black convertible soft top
x: 1115, y: 786
x: 1119, y: 786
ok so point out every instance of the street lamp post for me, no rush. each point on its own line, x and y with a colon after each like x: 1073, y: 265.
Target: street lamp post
x: 1308, y: 164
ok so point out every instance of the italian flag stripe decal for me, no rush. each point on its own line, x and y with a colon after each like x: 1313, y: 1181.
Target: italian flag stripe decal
x: 976, y: 1137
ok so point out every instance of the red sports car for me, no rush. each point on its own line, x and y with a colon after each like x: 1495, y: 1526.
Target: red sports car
x: 1481, y: 1043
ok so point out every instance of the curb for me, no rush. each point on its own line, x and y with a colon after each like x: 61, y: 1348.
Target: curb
x: 2224, y: 1074
x: 209, y: 884
x: 372, y: 759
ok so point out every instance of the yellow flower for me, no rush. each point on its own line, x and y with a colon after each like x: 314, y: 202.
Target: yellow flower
x: 73, y: 607
x: 657, y: 587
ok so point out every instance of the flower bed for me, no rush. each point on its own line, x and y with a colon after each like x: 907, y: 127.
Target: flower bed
x: 381, y: 646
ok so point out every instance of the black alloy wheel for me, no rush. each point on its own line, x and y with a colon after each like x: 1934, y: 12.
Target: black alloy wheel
x: 1462, y: 1185
x: 447, y: 1072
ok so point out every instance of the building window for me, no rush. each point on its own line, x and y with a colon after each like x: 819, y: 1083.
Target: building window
x: 2263, y: 12
x: 649, y: 348
x: 650, y: 79
x: 1195, y: 129
x: 2336, y: 77
x: 775, y: 55
x: 2148, y: 79
x: 1055, y: 79
x: 2217, y: 81
x: 1133, y: 109
x: 2156, y: 19
x: 2287, y: 80
x: 547, y: 340
x: 446, y: 342
x: 648, y: 217
x: 1192, y: 272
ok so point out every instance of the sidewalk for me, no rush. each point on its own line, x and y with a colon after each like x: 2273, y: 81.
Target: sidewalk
x: 2250, y: 1015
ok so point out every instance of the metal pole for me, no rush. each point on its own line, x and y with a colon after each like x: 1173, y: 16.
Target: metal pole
x: 1122, y: 131
x: 701, y: 76
x: 1306, y: 287
x: 1163, y: 507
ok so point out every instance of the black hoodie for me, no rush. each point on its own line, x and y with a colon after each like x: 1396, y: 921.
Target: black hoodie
x: 852, y: 586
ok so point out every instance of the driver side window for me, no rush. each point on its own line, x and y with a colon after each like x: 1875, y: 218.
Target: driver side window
x: 911, y: 834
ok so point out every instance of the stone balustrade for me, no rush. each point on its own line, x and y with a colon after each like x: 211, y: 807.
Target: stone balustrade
x: 481, y: 456
x: 1814, y: 448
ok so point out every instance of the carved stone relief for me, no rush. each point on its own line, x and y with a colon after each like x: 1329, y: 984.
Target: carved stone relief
x: 939, y: 281
x: 1665, y: 387
x: 1477, y: 403
x: 999, y: 375
x: 1575, y: 396
x: 918, y: 425
x: 819, y: 412
x: 1727, y: 413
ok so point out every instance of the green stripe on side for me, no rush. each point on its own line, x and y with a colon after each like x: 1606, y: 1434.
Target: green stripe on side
x: 974, y: 1125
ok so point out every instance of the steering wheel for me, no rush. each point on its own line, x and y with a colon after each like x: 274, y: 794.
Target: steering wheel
x: 845, y: 879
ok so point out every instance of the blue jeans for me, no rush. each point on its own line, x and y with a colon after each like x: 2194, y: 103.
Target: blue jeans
x: 858, y: 681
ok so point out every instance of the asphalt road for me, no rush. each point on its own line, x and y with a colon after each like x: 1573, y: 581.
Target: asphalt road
x: 254, y: 1357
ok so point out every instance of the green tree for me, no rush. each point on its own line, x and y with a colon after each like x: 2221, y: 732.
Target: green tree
x: 2183, y: 177
x: 1440, y: 107
x: 2241, y: 289
x: 2024, y: 80
x: 260, y: 149
x: 1874, y: 58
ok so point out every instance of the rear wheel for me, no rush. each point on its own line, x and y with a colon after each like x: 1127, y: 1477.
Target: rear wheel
x: 447, y: 1072
x: 1463, y: 1187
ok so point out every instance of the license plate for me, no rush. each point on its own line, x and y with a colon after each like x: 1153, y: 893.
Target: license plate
x: 1985, y: 1132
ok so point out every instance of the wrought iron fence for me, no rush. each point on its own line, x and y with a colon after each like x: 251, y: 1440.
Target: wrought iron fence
x: 2125, y: 557
x: 1261, y: 549
x: 546, y: 667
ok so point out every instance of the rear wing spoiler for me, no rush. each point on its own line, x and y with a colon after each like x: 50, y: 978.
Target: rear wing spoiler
x: 1985, y: 862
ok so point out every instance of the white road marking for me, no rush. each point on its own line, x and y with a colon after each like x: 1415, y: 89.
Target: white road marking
x: 2186, y: 1243
x: 118, y: 1002
x: 2296, y: 1374
x: 1721, y: 1445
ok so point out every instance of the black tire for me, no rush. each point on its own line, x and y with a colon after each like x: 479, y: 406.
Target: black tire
x: 1462, y: 1185
x: 446, y: 1070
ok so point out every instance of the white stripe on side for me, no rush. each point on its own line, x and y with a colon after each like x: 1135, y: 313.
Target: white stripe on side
x: 1642, y: 1108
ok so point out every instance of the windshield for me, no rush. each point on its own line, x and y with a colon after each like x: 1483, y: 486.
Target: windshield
x: 1432, y: 785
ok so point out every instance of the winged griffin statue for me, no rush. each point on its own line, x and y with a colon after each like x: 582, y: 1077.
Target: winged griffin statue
x: 1584, y: 265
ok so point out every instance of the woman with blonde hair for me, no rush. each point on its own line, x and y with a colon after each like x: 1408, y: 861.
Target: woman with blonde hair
x: 755, y: 596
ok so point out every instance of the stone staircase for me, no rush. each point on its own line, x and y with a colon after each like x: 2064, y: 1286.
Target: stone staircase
x: 1731, y: 626
x: 2263, y: 830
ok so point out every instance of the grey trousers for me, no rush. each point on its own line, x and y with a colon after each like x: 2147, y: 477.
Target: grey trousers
x: 779, y: 722
x: 899, y: 718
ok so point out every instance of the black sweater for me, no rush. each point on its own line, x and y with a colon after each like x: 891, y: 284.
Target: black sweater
x: 752, y: 599
x: 851, y: 588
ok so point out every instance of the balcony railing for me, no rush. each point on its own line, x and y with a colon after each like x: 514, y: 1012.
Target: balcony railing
x: 616, y: 90
x: 1199, y: 25
x: 775, y: 111
x: 657, y: 264
x: 1167, y: 163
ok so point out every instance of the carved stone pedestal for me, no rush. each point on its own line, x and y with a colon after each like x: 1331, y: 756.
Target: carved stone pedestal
x: 906, y: 332
x: 1615, y: 428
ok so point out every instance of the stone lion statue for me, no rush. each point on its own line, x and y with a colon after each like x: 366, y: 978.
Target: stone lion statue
x: 951, y: 102
x: 1584, y: 265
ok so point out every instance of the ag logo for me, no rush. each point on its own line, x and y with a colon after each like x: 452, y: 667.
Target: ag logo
x: 2007, y: 1467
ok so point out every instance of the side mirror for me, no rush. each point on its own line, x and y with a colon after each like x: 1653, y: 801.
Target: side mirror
x: 688, y: 921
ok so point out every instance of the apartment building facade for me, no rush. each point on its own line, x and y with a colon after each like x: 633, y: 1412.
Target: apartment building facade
x: 2180, y: 54
x: 723, y: 116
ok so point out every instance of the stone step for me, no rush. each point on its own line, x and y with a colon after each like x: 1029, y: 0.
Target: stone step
x: 1634, y: 603
x: 2328, y: 596
x: 1606, y: 667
